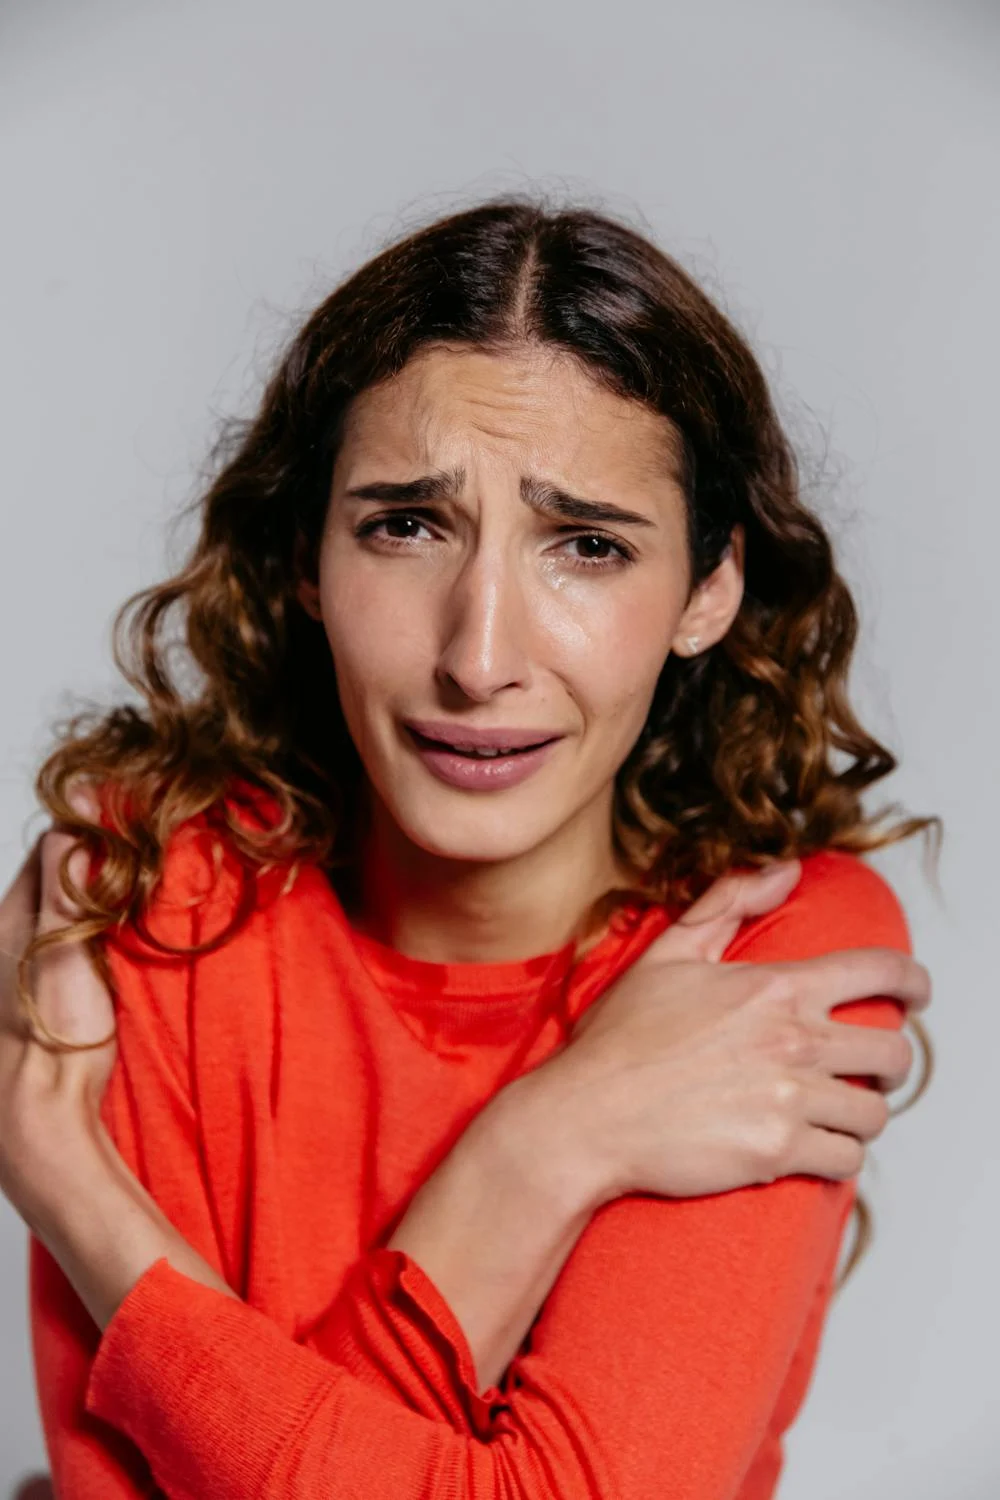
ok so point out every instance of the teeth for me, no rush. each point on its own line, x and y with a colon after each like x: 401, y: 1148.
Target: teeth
x: 480, y: 752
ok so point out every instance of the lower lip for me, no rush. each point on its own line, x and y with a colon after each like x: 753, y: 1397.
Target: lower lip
x: 482, y: 775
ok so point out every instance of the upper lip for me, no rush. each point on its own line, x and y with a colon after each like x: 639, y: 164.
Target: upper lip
x: 465, y: 737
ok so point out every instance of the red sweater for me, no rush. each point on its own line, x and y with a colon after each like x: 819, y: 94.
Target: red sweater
x: 283, y: 1097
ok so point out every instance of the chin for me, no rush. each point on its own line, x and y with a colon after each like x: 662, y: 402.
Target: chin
x: 488, y: 835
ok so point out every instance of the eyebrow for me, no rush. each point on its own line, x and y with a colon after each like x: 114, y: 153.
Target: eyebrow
x: 539, y: 494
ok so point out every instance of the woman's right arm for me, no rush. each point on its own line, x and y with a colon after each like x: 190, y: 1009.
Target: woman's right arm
x: 496, y: 1222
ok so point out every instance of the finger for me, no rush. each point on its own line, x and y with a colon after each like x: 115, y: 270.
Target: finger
x: 84, y: 801
x: 70, y: 1001
x: 709, y: 925
x: 848, y: 974
x: 18, y: 914
x: 19, y: 905
x: 866, y: 1052
x: 56, y: 906
x: 828, y: 1153
x: 837, y: 1105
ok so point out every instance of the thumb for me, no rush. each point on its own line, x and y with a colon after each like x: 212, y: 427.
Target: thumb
x: 709, y: 925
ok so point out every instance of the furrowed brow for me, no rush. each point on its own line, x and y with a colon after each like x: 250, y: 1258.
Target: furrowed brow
x: 539, y: 494
x: 442, y: 485
x: 551, y: 500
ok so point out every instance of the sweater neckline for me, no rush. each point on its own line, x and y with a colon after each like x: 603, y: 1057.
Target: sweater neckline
x: 507, y: 979
x: 452, y: 1007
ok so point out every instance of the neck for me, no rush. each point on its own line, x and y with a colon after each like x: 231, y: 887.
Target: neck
x: 459, y: 911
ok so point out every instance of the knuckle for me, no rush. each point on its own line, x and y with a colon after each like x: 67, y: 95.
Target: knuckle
x: 787, y: 1096
x: 772, y: 1144
x: 788, y: 1040
x: 778, y: 992
x: 775, y: 990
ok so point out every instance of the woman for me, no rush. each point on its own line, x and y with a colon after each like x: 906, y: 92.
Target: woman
x: 436, y: 1151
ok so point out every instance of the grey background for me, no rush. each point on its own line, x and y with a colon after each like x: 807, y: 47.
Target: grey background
x: 179, y: 182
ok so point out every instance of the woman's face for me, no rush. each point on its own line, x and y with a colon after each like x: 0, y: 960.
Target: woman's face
x: 502, y: 575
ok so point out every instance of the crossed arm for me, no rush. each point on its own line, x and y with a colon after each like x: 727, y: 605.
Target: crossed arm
x: 659, y: 1356
x: 669, y: 1335
x: 674, y: 1338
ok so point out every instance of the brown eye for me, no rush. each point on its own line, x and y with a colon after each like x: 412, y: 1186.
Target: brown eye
x: 592, y: 549
x: 595, y: 548
x: 402, y: 526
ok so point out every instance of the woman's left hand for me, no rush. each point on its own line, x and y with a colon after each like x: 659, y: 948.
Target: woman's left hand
x: 58, y: 1163
x: 50, y: 1097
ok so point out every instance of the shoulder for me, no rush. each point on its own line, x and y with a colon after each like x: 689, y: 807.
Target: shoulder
x: 840, y: 901
x: 200, y: 937
x: 200, y: 884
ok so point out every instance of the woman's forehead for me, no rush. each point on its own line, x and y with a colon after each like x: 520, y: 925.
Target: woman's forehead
x: 545, y: 407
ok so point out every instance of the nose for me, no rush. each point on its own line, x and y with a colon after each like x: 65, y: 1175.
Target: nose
x: 485, y: 630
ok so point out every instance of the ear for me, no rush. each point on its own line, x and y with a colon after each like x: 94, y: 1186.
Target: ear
x: 714, y: 604
x: 308, y: 596
x: 306, y: 586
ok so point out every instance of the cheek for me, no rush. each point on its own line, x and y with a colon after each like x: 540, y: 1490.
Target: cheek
x: 609, y: 644
x: 375, y: 634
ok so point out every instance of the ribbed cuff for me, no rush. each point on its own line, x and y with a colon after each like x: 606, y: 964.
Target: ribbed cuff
x: 179, y: 1370
x: 391, y: 1326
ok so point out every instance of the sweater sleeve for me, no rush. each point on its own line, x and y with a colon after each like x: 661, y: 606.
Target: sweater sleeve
x: 675, y: 1332
x: 149, y: 1113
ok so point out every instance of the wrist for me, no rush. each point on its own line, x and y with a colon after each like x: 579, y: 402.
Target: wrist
x: 494, y: 1223
x: 536, y: 1126
x: 105, y: 1230
x: 99, y: 1231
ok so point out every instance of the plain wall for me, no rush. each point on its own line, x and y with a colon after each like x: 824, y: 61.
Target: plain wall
x: 179, y: 182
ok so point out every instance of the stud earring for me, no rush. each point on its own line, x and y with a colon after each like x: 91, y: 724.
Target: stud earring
x: 692, y: 642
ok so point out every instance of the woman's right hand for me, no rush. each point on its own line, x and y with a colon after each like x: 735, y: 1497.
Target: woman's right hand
x: 692, y: 1076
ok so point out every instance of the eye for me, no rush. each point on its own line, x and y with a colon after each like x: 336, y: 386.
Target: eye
x: 397, y: 528
x: 594, y: 549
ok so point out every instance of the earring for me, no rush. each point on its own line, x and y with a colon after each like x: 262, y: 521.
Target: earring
x: 692, y: 642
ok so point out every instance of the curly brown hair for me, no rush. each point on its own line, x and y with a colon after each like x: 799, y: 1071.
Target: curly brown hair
x: 735, y: 764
